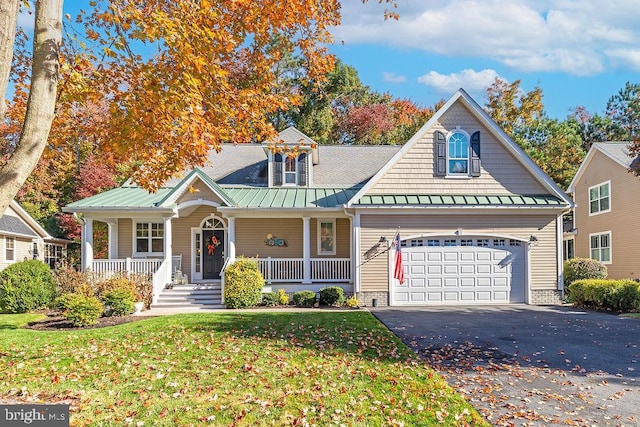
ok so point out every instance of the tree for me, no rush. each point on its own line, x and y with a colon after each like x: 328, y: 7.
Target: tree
x: 210, y: 81
x: 42, y: 94
x: 510, y: 108
x: 624, y: 111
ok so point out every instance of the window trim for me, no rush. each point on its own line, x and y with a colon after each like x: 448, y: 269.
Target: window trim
x: 607, y: 183
x: 331, y: 221
x: 53, y: 252
x: 294, y: 161
x: 602, y: 233
x: 149, y: 238
x: 466, y: 174
x: 8, y: 239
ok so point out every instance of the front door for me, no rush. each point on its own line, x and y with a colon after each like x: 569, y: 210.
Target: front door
x: 213, y: 250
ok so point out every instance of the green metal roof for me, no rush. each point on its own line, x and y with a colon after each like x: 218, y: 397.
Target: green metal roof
x: 460, y: 200
x: 251, y: 197
x: 122, y: 198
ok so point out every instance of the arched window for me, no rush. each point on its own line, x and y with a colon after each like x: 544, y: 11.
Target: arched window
x: 458, y: 153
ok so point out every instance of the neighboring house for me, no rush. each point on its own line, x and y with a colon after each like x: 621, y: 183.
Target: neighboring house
x: 479, y: 222
x: 606, y: 210
x: 21, y: 238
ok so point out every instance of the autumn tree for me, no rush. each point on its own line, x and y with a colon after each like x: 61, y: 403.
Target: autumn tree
x: 510, y: 107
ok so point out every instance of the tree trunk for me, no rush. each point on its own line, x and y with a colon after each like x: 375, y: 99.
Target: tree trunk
x: 42, y: 100
x: 8, y: 22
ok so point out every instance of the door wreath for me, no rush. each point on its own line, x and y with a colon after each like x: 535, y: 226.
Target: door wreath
x: 212, y: 244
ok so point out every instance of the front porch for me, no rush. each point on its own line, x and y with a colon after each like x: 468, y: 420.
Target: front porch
x: 291, y: 273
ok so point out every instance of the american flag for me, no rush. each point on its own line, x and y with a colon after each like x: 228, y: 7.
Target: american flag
x: 398, y: 272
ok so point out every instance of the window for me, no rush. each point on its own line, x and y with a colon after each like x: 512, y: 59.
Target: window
x: 149, y: 237
x: 290, y: 170
x: 483, y: 242
x: 499, y: 242
x: 466, y: 242
x: 600, y: 247
x: 416, y: 242
x: 458, y: 153
x: 599, y: 198
x: 327, y: 237
x: 513, y: 242
x: 450, y: 242
x: 433, y: 242
x: 53, y: 253
x: 568, y: 251
x: 9, y: 249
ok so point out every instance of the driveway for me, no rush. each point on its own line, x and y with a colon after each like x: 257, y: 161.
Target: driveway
x: 530, y: 365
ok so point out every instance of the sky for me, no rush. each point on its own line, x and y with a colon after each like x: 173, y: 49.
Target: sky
x: 580, y: 52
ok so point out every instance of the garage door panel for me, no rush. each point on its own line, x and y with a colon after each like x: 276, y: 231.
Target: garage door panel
x: 462, y: 274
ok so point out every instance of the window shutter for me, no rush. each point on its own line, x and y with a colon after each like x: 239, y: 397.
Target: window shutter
x: 302, y: 170
x: 277, y: 169
x: 475, y: 154
x: 440, y: 167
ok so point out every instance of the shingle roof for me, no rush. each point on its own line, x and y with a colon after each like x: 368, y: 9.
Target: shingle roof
x: 13, y: 225
x: 460, y: 200
x: 617, y: 151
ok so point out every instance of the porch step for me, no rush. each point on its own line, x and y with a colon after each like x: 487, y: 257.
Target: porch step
x: 205, y: 296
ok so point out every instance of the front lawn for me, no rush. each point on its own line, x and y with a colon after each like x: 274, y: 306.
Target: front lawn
x: 241, y: 369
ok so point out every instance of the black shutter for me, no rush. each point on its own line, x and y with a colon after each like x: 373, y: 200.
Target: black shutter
x: 277, y: 169
x: 302, y: 170
x: 440, y: 158
x: 475, y: 154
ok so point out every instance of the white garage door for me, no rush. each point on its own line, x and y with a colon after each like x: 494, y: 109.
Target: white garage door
x: 461, y: 271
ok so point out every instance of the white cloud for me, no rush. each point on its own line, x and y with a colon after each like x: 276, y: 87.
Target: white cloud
x: 627, y: 58
x: 470, y: 80
x: 390, y: 77
x: 576, y: 37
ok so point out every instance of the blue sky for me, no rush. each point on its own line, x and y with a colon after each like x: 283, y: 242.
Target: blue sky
x: 580, y: 52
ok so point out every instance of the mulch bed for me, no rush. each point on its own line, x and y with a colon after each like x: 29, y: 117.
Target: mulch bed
x: 55, y: 322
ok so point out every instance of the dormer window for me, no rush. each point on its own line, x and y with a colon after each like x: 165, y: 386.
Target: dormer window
x: 290, y: 170
x: 457, y: 154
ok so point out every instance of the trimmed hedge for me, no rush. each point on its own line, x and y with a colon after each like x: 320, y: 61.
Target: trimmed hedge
x: 84, y: 311
x: 304, y: 298
x: 583, y: 268
x: 243, y: 284
x: 270, y: 299
x: 332, y: 295
x: 617, y: 295
x: 26, y: 286
x: 119, y: 301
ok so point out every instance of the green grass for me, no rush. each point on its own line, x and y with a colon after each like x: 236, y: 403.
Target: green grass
x: 241, y: 369
x: 15, y: 321
x: 631, y: 315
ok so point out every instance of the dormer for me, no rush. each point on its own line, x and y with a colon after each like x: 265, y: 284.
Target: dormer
x: 291, y: 158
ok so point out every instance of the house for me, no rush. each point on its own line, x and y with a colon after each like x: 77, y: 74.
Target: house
x: 479, y: 222
x: 22, y: 238
x: 606, y: 210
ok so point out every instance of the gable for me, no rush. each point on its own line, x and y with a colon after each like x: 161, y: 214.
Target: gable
x: 199, y: 190
x: 500, y: 171
x: 12, y: 224
x: 612, y: 156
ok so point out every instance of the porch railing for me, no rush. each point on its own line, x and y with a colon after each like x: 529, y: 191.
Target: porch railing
x: 291, y: 270
x: 106, y: 268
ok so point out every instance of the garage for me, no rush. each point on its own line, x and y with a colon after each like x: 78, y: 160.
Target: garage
x: 453, y: 270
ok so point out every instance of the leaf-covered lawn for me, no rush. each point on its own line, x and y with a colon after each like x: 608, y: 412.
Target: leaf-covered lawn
x: 244, y: 369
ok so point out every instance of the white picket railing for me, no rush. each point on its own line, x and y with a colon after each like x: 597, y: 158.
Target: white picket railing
x: 106, y: 268
x: 291, y: 270
x: 160, y: 278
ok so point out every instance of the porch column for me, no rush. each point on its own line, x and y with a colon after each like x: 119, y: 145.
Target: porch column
x: 306, y: 249
x: 168, y: 254
x: 231, y: 244
x: 87, y: 244
x: 113, y: 239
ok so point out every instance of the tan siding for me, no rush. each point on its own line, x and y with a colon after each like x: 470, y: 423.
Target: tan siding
x: 252, y: 232
x: 181, y: 232
x: 343, y: 239
x: 125, y: 238
x: 621, y: 220
x: 21, y: 251
x: 501, y: 172
x: 204, y: 192
x: 544, y: 274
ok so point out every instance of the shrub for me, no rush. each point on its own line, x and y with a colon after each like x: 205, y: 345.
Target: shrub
x: 304, y: 298
x: 63, y: 302
x: 332, y: 295
x: 270, y: 299
x: 26, y: 286
x: 283, y: 297
x: 117, y: 283
x: 70, y: 281
x: 352, y: 302
x: 84, y: 311
x: 144, y: 288
x: 119, y: 301
x: 618, y: 295
x: 583, y: 268
x: 243, y: 284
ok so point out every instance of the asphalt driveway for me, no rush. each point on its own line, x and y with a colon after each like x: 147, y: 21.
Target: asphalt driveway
x: 530, y: 365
